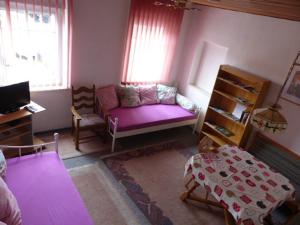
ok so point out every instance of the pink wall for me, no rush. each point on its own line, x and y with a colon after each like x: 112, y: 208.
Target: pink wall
x: 99, y: 31
x: 261, y: 45
x: 99, y: 28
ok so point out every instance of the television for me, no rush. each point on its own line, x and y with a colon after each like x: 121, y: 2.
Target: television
x: 14, y: 96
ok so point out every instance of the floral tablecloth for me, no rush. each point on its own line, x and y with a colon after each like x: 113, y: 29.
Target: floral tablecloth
x: 245, y: 186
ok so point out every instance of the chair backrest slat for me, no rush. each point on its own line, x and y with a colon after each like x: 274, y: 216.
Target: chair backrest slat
x: 83, y: 89
x: 82, y: 98
x: 83, y: 105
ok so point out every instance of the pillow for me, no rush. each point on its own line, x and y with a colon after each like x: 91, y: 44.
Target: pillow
x: 129, y: 96
x: 2, y: 164
x: 148, y: 95
x: 107, y: 97
x: 9, y: 210
x: 166, y: 94
x: 185, y: 103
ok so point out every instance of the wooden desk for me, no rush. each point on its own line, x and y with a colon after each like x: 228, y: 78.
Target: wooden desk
x: 16, y: 127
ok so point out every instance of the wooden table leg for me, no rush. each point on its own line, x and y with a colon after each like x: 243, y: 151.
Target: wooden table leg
x: 206, y: 195
x: 228, y: 218
x: 188, y: 182
x: 186, y: 194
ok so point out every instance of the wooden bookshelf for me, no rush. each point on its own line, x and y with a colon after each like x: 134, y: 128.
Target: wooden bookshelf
x: 233, y: 88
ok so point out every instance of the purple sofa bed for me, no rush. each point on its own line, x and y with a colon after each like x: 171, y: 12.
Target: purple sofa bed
x: 136, y: 109
x: 148, y: 118
x: 45, y: 192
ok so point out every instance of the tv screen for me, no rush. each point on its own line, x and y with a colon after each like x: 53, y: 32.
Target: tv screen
x: 14, y: 96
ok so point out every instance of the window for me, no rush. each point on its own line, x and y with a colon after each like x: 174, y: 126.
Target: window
x: 152, y: 37
x: 34, y: 45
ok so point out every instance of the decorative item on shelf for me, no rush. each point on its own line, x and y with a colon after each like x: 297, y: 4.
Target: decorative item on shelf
x: 270, y: 119
x: 238, y: 111
x: 244, y: 117
x: 177, y: 4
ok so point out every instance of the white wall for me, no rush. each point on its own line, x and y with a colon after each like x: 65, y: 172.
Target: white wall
x: 99, y: 31
x: 261, y: 45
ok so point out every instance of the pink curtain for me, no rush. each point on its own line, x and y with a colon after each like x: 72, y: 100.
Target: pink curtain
x: 35, y: 41
x: 152, y: 36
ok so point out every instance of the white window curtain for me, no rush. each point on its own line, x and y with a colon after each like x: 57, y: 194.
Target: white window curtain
x: 35, y: 36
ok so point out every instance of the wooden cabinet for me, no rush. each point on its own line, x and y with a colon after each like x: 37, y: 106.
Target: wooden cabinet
x: 285, y: 9
x: 16, y: 128
x: 234, y: 90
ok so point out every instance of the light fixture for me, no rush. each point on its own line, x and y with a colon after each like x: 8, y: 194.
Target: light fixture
x: 270, y: 119
x: 177, y: 4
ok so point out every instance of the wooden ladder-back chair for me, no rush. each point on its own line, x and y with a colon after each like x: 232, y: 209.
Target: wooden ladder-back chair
x: 83, y: 98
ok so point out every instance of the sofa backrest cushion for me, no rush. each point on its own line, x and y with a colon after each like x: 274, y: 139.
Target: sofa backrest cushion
x: 185, y: 103
x: 129, y: 96
x: 107, y: 97
x: 148, y: 94
x: 166, y: 94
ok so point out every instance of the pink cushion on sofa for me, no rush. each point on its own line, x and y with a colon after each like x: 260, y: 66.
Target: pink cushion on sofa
x: 9, y: 209
x: 129, y: 96
x: 149, y: 115
x: 148, y: 95
x: 107, y: 97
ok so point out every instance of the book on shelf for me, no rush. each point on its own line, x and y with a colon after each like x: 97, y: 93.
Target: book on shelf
x: 238, y: 111
x: 243, y: 101
x: 225, y: 113
x: 221, y: 129
x: 245, y: 116
x: 242, y: 85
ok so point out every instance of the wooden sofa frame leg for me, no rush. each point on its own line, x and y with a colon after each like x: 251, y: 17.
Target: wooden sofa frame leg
x: 113, y: 134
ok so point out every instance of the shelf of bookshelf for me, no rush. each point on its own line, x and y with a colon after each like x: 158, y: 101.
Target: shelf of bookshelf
x: 227, y: 117
x: 214, y: 138
x: 232, y: 98
x: 237, y: 86
x: 232, y: 139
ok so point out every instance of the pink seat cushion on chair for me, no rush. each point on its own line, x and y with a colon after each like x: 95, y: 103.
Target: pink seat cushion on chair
x: 149, y: 115
x: 107, y: 97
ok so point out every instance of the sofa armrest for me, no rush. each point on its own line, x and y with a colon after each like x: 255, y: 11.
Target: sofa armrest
x: 187, y: 104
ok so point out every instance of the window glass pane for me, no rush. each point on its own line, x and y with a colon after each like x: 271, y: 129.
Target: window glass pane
x: 31, y: 48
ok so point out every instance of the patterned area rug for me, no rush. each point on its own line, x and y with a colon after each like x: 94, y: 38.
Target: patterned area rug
x: 153, y: 179
x: 106, y: 202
